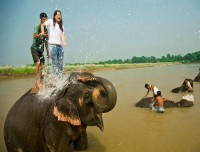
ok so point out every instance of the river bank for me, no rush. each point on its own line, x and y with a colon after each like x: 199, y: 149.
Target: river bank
x: 12, y: 72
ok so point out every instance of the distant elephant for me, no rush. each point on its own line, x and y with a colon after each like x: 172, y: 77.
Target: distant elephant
x: 183, y: 87
x: 146, y: 102
x: 197, y: 78
x: 52, y: 124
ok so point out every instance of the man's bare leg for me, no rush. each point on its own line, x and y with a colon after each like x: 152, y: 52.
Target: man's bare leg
x: 38, y: 74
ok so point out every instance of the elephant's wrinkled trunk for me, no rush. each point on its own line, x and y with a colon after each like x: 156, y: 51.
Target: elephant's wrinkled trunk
x: 104, y: 96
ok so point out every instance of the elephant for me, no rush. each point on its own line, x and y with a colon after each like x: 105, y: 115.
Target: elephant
x: 146, y: 102
x: 197, y: 78
x: 183, y: 87
x: 59, y: 123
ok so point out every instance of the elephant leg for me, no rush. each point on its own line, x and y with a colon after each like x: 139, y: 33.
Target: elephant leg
x: 81, y: 143
x: 56, y: 140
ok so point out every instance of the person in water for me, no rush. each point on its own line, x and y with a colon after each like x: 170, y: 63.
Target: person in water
x: 159, y: 103
x: 37, y: 49
x: 57, y: 41
x: 188, y: 86
x: 152, y: 88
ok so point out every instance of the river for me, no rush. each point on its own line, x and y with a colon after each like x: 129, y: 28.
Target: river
x: 126, y: 127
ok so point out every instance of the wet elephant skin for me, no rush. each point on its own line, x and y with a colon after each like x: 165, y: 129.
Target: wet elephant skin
x: 53, y: 124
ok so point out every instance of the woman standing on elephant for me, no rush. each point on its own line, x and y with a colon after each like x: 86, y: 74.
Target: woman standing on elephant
x: 56, y: 41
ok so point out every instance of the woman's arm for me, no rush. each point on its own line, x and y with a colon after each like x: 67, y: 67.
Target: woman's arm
x: 42, y: 28
x: 63, y: 39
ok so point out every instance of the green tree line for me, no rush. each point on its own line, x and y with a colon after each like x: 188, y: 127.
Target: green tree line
x: 187, y: 58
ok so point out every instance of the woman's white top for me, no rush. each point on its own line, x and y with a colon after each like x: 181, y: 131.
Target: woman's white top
x: 55, y: 32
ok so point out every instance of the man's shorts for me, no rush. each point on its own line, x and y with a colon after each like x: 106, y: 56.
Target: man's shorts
x: 158, y: 109
x: 37, y: 56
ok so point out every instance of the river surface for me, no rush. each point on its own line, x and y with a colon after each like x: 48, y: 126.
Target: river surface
x: 127, y: 128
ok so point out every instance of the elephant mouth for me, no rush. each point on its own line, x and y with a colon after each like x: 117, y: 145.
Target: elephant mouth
x: 97, y: 121
x: 100, y: 121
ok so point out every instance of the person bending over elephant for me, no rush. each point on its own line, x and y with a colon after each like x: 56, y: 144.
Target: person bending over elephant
x: 152, y: 88
x: 187, y: 86
x: 197, y: 78
x: 36, y: 124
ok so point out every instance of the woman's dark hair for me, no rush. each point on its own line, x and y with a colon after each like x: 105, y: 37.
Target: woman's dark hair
x: 54, y: 21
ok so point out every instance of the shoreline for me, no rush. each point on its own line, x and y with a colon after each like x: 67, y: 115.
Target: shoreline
x: 9, y: 72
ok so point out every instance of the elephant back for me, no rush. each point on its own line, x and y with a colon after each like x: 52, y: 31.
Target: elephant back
x: 184, y: 103
x: 144, y: 103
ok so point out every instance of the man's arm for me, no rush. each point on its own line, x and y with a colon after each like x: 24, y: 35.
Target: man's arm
x: 189, y: 86
x: 37, y: 36
x: 152, y: 87
x: 146, y: 93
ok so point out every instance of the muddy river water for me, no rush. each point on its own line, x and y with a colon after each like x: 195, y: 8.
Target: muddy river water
x: 127, y: 128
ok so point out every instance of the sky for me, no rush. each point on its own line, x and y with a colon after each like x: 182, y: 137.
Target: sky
x: 100, y: 30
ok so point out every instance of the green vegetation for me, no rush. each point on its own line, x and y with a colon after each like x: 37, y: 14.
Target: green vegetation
x: 188, y: 58
x: 17, y: 70
x: 134, y: 62
x: 98, y: 67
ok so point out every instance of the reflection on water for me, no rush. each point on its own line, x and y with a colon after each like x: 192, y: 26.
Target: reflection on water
x: 128, y: 128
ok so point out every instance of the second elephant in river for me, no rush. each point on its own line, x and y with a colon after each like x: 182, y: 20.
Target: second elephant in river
x: 146, y: 103
x: 184, y: 87
x: 197, y: 78
x: 36, y: 124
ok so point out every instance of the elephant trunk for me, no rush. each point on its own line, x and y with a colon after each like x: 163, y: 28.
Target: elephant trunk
x: 104, y: 96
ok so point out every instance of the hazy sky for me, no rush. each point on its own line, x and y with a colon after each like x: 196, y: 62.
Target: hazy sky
x: 99, y: 30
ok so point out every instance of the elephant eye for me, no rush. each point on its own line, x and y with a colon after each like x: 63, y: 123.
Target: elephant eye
x: 87, y: 96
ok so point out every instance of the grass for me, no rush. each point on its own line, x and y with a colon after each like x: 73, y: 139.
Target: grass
x: 29, y: 70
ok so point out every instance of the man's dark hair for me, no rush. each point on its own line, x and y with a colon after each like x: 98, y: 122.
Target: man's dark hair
x: 146, y: 85
x: 159, y: 93
x: 43, y: 15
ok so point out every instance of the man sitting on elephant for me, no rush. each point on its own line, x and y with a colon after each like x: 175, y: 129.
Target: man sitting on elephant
x: 197, y: 78
x: 188, y: 85
x: 159, y: 103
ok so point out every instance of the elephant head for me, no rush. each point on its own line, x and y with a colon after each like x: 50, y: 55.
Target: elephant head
x: 84, y: 99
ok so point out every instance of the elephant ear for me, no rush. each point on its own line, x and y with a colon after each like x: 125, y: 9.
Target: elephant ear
x: 66, y: 111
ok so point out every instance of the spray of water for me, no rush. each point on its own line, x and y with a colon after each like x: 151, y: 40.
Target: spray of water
x: 52, y: 84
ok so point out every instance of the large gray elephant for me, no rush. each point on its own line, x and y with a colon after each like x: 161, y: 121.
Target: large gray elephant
x: 183, y: 87
x: 36, y: 124
x: 146, y: 103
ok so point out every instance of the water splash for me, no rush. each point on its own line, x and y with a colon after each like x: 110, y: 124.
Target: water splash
x: 52, y: 85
